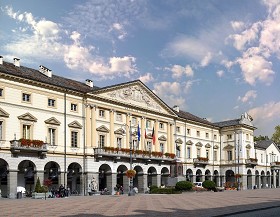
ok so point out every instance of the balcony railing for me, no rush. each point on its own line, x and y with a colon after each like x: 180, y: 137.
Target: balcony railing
x: 275, y: 164
x: 29, y: 146
x: 200, y: 161
x: 251, y: 162
x: 136, y: 154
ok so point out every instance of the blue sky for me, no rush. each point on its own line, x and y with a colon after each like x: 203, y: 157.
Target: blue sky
x: 216, y: 59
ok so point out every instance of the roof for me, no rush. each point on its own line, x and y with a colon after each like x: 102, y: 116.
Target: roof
x: 189, y: 116
x: 36, y: 75
x: 263, y: 144
x: 228, y: 123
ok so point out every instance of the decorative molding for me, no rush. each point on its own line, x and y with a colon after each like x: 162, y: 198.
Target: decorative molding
x: 189, y: 142
x: 52, y: 121
x: 103, y: 129
x: 162, y: 138
x: 248, y: 146
x: 4, y: 113
x: 207, y: 145
x: 199, y: 144
x: 119, y: 131
x: 216, y: 146
x: 75, y: 124
x: 228, y: 147
x: 27, y: 117
x: 179, y: 141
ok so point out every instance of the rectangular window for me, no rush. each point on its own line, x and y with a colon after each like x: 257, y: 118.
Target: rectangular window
x: 229, y: 153
x: 215, y: 137
x: 101, y: 113
x: 74, y: 139
x: 1, y: 130
x: 247, y: 136
x: 101, y: 141
x: 215, y: 155
x: 198, y: 152
x: 134, y: 120
x: 198, y: 133
x: 148, y: 124
x: 207, y: 154
x: 119, y: 142
x: 74, y: 107
x: 119, y: 117
x: 149, y: 146
x: 229, y: 136
x: 52, y: 136
x: 178, y: 129
x: 161, y: 147
x: 161, y: 126
x: 178, y: 151
x: 188, y: 152
x: 261, y: 158
x: 1, y: 92
x: 248, y: 153
x: 51, y: 102
x: 189, y: 131
x: 26, y: 132
x: 26, y: 97
x: 207, y: 135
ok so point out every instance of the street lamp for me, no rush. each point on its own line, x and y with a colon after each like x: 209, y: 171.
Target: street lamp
x: 238, y: 178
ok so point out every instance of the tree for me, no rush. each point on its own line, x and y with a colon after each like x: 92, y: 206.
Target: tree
x: 276, y: 135
x: 260, y: 138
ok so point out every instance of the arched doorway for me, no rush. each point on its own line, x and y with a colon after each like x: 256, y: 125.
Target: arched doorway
x: 52, y: 172
x: 198, y: 177
x: 249, y: 179
x: 207, y: 175
x: 263, y: 180
x: 138, y: 180
x: 122, y: 180
x: 230, y: 176
x: 152, y: 177
x: 3, y: 178
x: 189, y: 175
x: 105, y: 176
x: 268, y: 179
x: 216, y: 177
x: 74, y: 172
x: 26, y: 178
x: 164, y: 176
x: 257, y: 179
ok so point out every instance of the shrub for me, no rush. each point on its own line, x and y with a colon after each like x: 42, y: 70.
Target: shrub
x: 165, y: 191
x: 208, y: 184
x: 184, y: 186
x: 153, y: 187
x: 38, y: 186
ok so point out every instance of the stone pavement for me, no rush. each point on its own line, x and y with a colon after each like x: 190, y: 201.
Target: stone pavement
x: 259, y: 202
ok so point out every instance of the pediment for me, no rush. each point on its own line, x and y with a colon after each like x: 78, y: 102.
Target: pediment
x: 248, y: 146
x: 120, y: 131
x: 149, y: 136
x: 207, y: 145
x: 3, y: 113
x: 228, y: 147
x: 162, y: 138
x: 216, y: 146
x: 27, y: 117
x: 75, y: 124
x: 52, y: 121
x: 189, y: 142
x: 199, y: 144
x: 103, y: 129
x: 179, y: 141
x: 134, y: 94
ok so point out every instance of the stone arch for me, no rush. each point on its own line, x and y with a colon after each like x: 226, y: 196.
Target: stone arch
x: 207, y: 175
x: 138, y: 180
x: 249, y: 179
x: 26, y: 176
x: 4, y: 170
x: 52, y: 171
x: 105, y: 177
x: 164, y: 176
x: 152, y: 176
x: 121, y: 177
x: 74, y: 178
x: 216, y: 177
x: 198, y: 176
x: 257, y: 179
x: 189, y: 175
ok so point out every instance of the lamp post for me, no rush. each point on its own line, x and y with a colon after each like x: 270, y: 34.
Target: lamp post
x: 238, y: 178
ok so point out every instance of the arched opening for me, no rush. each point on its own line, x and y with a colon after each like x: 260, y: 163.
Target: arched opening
x: 207, y: 175
x: 198, y: 176
x: 105, y: 174
x: 74, y: 172
x: 52, y: 172
x: 164, y: 176
x: 216, y: 177
x: 249, y: 180
x: 263, y: 180
x: 268, y: 180
x: 189, y: 175
x: 26, y: 178
x: 152, y: 176
x: 138, y: 180
x: 257, y: 179
x: 3, y: 178
x: 122, y: 180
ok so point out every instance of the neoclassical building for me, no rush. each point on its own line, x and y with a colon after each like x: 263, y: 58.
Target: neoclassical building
x: 70, y: 132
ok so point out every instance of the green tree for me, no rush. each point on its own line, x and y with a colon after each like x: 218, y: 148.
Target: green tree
x: 276, y: 135
x: 38, y: 186
x: 260, y: 138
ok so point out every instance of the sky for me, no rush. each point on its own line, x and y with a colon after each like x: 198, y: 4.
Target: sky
x: 215, y: 59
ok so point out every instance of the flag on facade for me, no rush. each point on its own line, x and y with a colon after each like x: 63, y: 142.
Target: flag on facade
x: 138, y: 133
x: 154, y: 136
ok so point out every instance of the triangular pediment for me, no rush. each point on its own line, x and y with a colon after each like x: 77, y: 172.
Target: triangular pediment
x: 207, y: 145
x: 52, y: 121
x: 75, y: 124
x: 216, y: 146
x: 162, y: 138
x: 228, y: 147
x: 102, y: 129
x: 27, y: 117
x: 189, y: 142
x: 3, y: 113
x: 134, y: 94
x: 149, y: 136
x: 179, y: 141
x: 120, y: 131
x: 199, y: 144
x: 248, y: 146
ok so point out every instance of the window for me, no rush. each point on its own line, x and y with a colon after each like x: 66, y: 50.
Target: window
x: 215, y: 137
x: 74, y: 139
x: 51, y: 102
x: 26, y: 97
x: 135, y: 144
x: 26, y: 134
x: 248, y: 153
x: 134, y: 120
x: 198, y: 152
x: 178, y: 129
x: 119, y: 117
x: 1, y: 92
x: 161, y: 126
x: 119, y: 142
x: 229, y: 136
x: 207, y: 135
x: 101, y: 113
x: 74, y: 107
x: 247, y: 136
x: 189, y: 152
x: 101, y: 141
x: 161, y: 147
x: 178, y: 151
x: 149, y: 146
x: 1, y: 130
x: 261, y: 158
x: 188, y: 131
x: 215, y: 155
x: 229, y: 155
x: 148, y: 124
x: 207, y: 154
x: 198, y: 133
x: 52, y: 136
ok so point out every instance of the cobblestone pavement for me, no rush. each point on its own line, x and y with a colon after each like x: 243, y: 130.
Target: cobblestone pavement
x: 260, y: 202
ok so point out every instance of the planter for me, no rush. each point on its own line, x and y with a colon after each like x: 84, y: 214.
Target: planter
x: 36, y: 195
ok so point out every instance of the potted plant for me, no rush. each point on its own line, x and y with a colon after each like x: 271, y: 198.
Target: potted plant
x: 40, y: 191
x: 130, y: 173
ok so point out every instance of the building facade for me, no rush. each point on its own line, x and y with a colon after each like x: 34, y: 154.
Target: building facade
x: 71, y: 132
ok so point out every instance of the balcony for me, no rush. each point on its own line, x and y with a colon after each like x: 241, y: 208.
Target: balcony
x: 275, y: 165
x: 251, y: 162
x: 137, y: 155
x: 200, y: 162
x: 28, y: 147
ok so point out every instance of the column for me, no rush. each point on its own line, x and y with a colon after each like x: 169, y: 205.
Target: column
x: 143, y: 139
x: 253, y: 181
x: 114, y: 183
x: 172, y: 138
x: 243, y: 182
x: 12, y: 184
x: 127, y: 130
x: 125, y: 184
x: 156, y: 148
x: 159, y: 180
x: 274, y: 179
x: 112, y: 130
x: 93, y: 127
x: 168, y: 138
x: 61, y: 179
x: 144, y: 183
x: 88, y: 126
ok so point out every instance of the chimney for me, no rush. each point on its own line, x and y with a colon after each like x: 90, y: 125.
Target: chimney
x: 16, y: 62
x: 176, y: 108
x: 45, y: 71
x: 89, y: 83
x: 1, y: 60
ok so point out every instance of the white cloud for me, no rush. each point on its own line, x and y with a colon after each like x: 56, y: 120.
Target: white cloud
x: 146, y: 78
x: 206, y: 59
x: 220, y: 73
x: 266, y: 112
x: 178, y: 71
x: 237, y: 25
x: 119, y: 30
x: 251, y: 94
